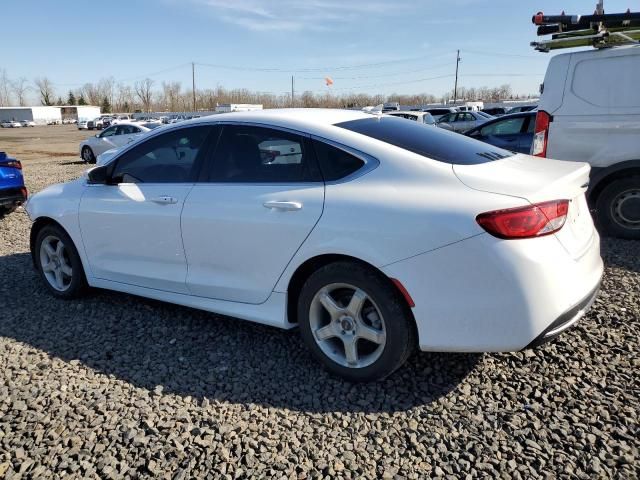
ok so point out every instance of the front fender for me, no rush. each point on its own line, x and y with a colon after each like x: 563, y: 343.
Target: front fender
x: 60, y: 203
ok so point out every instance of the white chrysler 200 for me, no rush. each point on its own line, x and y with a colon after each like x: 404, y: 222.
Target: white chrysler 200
x: 373, y: 234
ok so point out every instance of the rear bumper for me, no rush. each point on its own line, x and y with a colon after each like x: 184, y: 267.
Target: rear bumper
x: 566, y: 320
x: 484, y: 294
x: 12, y: 197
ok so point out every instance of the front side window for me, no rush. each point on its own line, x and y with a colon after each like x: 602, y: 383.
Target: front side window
x: 109, y: 132
x: 249, y: 154
x: 168, y: 158
x: 511, y: 126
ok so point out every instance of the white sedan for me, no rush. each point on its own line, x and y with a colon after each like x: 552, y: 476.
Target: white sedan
x: 27, y: 123
x: 383, y: 236
x: 115, y: 136
x: 10, y: 124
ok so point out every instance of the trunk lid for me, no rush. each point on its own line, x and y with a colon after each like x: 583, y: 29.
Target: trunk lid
x: 538, y: 180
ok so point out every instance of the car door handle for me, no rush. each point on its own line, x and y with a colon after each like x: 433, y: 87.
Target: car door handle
x: 165, y: 200
x: 288, y: 206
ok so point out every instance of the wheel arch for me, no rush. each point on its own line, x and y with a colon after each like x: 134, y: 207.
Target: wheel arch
x: 309, y: 266
x: 602, y: 177
x: 38, y: 225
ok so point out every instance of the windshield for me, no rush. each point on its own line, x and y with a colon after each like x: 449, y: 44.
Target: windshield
x: 435, y: 143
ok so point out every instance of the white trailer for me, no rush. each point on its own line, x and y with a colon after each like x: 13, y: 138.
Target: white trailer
x: 40, y: 115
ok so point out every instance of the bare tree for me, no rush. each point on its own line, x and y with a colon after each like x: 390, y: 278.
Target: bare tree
x: 20, y: 88
x: 124, y: 98
x: 171, y: 95
x: 47, y: 92
x: 5, y: 88
x: 144, y: 91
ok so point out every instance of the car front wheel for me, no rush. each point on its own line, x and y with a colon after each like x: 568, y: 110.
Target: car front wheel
x: 58, y: 262
x: 355, y: 322
x: 87, y: 155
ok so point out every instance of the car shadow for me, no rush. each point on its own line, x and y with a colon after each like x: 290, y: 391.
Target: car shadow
x: 187, y: 352
x: 74, y: 162
x: 619, y: 253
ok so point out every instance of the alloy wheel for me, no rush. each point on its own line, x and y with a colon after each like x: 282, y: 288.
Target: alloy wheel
x: 347, y: 325
x: 55, y: 263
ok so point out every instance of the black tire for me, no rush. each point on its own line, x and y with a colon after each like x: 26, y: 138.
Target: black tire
x: 618, y: 209
x: 398, y: 321
x: 77, y: 285
x: 87, y: 155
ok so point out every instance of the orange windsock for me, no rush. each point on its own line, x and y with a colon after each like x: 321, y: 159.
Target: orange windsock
x: 328, y: 81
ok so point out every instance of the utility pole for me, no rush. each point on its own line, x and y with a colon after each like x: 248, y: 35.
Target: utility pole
x: 292, y: 92
x: 455, y: 88
x: 193, y: 84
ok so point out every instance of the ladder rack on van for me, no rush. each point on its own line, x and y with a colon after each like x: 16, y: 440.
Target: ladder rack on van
x: 599, y: 30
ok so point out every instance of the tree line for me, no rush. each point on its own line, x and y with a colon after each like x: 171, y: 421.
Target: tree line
x: 148, y: 95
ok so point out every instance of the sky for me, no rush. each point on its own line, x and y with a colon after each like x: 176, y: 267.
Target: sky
x: 369, y: 46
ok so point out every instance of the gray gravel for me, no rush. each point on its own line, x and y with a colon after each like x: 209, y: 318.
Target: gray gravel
x: 115, y: 386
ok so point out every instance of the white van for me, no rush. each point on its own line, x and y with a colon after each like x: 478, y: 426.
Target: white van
x: 589, y: 111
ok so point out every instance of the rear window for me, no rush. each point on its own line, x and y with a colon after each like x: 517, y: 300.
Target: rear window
x: 435, y: 143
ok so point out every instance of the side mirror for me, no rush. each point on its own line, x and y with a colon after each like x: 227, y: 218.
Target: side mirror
x: 98, y: 175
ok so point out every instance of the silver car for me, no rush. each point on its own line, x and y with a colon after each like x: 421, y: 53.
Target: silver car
x: 463, y: 121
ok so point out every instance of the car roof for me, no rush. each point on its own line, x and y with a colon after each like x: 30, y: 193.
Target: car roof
x: 133, y: 124
x: 294, y: 118
x: 410, y: 112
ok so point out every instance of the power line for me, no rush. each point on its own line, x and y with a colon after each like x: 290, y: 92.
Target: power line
x: 498, y: 54
x: 315, y: 69
x: 394, y: 74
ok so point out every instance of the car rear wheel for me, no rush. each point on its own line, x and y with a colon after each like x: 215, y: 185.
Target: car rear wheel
x: 354, y: 322
x: 87, y: 155
x: 58, y: 263
x: 618, y: 208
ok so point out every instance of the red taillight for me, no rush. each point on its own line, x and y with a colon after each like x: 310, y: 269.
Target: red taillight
x: 12, y: 164
x: 526, y: 222
x: 25, y: 192
x: 541, y: 136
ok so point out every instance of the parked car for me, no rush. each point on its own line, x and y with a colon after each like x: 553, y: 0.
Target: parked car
x: 13, y: 193
x: 495, y: 111
x: 107, y: 121
x: 176, y: 118
x: 589, y: 111
x: 27, y: 123
x: 114, y: 136
x: 522, y: 108
x: 83, y: 124
x: 440, y: 112
x: 462, y: 121
x: 10, y: 124
x: 120, y: 118
x: 386, y: 235
x: 511, y: 132
x: 420, y: 117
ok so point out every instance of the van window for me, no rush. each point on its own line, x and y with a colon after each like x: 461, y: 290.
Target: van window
x: 608, y: 81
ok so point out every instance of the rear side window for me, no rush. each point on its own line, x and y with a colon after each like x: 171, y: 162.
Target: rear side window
x: 435, y: 143
x: 509, y: 126
x: 250, y: 154
x: 335, y: 163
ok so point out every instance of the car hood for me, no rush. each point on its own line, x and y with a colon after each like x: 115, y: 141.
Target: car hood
x: 106, y: 157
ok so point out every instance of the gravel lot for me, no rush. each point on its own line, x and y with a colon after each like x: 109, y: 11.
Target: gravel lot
x: 115, y: 386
